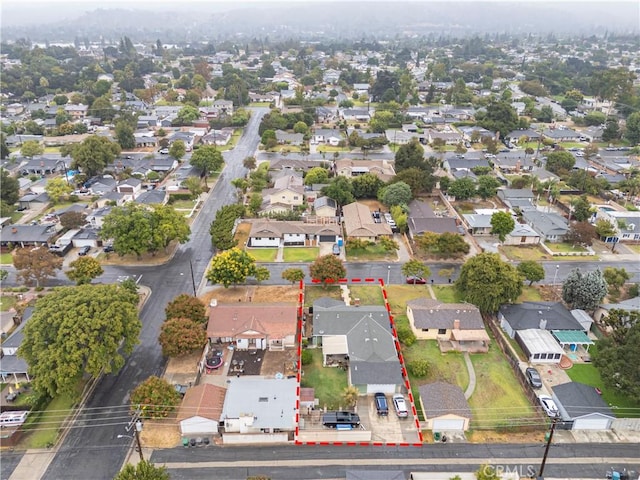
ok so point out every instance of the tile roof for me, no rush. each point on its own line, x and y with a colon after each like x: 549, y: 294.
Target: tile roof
x: 204, y: 400
x: 276, y: 320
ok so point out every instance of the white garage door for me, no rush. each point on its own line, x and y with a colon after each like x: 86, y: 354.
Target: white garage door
x: 591, y: 424
x: 448, y: 424
x: 375, y: 388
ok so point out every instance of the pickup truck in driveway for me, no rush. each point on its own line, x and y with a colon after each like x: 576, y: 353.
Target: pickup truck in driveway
x: 340, y: 419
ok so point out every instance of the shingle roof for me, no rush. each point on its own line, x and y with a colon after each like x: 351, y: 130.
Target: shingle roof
x: 553, y: 315
x: 429, y: 313
x: 441, y: 398
x: 580, y: 400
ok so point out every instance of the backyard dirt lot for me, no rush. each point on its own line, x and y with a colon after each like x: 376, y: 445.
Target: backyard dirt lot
x: 252, y: 293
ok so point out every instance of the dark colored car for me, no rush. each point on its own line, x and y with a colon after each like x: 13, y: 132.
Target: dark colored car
x: 335, y: 249
x: 382, y: 407
x: 416, y: 280
x: 533, y: 377
x: 108, y: 249
x: 84, y: 250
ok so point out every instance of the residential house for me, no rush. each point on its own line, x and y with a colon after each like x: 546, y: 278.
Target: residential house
x: 517, y: 199
x: 285, y: 138
x: 326, y: 136
x: 187, y: 137
x: 276, y: 233
x: 355, y: 114
x: 286, y: 194
x: 14, y: 369
x: 254, y: 326
x: 449, y: 138
x: 331, y: 76
x: 295, y: 164
x: 476, y: 132
x: 325, y: 207
x: 361, y: 88
x: 539, y: 346
x: 456, y: 326
x: 423, y: 219
x: 262, y: 407
x: 551, y: 226
x: 76, y: 112
x: 445, y: 407
x: 383, y: 169
x: 43, y: 166
x: 152, y: 197
x: 592, y: 134
x: 460, y: 164
x: 400, y: 137
x: 360, y: 339
x: 131, y: 187
x: 626, y: 224
x: 562, y: 135
x: 104, y: 185
x: 218, y: 137
x: 146, y: 121
x: 478, y: 224
x: 33, y: 201
x: 630, y: 305
x: 86, y: 237
x: 28, y: 235
x: 359, y: 223
x: 522, y: 234
x: 582, y: 407
x: 527, y: 134
x: 200, y: 410
x: 514, y: 164
x: 225, y: 106
x: 145, y: 141
x: 96, y: 218
x: 326, y: 114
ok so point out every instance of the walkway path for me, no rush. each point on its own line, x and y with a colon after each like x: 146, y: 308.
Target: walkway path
x: 472, y: 376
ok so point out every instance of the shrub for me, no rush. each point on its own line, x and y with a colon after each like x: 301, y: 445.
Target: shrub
x: 306, y: 357
x: 406, y: 336
x: 419, y: 368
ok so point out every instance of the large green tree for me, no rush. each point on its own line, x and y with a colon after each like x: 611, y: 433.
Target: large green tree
x: 502, y: 224
x: 222, y: 227
x: 398, y: 193
x: 155, y: 398
x: 488, y: 282
x: 415, y: 268
x: 617, y: 360
x: 316, y: 175
x: 584, y: 291
x: 327, y: 269
x: 499, y: 116
x: 366, y: 186
x: 560, y: 162
x: 462, y: 188
x: 143, y: 470
x: 177, y: 149
x: 180, y: 336
x: 9, y: 188
x: 94, y: 154
x: 186, y: 306
x: 531, y: 271
x: 231, y: 267
x: 410, y: 155
x: 31, y: 148
x: 340, y: 189
x: 57, y: 188
x: 293, y: 275
x: 77, y: 331
x: 208, y: 159
x: 632, y: 131
x: 124, y: 135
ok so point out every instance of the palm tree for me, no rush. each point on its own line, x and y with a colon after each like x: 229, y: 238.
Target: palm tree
x: 350, y: 396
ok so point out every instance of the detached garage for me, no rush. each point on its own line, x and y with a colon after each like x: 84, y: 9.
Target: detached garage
x: 200, y: 410
x: 583, y: 406
x: 444, y: 407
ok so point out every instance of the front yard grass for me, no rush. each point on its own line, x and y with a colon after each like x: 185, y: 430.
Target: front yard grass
x: 368, y: 295
x: 534, y: 252
x: 183, y: 204
x: 565, y: 247
x: 7, y: 302
x: 314, y: 292
x: 399, y: 295
x: 263, y: 254
x: 530, y: 294
x: 329, y: 382
x: 621, y: 405
x: 6, y: 258
x: 447, y: 293
x: 498, y: 400
x: 41, y: 430
x: 635, y: 248
x: 242, y: 234
x: 300, y: 254
x: 371, y: 253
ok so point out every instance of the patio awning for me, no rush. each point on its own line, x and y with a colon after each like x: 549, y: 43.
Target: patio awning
x: 335, y: 345
x: 572, y: 337
x: 470, y: 335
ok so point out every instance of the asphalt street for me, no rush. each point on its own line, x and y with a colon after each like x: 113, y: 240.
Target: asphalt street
x: 80, y: 455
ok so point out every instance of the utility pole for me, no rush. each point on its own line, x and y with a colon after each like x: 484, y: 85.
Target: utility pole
x: 137, y: 434
x: 136, y: 424
x: 546, y: 450
x: 193, y: 280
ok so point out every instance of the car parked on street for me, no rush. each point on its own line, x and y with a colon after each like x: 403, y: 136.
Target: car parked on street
x: 400, y: 405
x: 548, y: 405
x: 533, y: 377
x: 416, y: 280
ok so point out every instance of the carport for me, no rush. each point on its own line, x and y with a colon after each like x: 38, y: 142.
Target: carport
x: 572, y: 339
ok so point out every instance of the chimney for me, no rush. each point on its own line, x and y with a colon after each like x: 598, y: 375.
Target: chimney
x: 14, y: 230
x: 456, y: 324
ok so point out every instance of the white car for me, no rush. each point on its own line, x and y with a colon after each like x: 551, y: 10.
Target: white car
x: 548, y: 405
x: 400, y: 405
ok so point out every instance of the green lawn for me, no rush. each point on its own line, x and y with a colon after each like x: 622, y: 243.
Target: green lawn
x: 41, y: 430
x: 565, y: 247
x: 7, y: 302
x: 329, y: 382
x: 529, y: 294
x: 263, y: 254
x: 635, y: 248
x: 300, y: 254
x: 329, y: 148
x: 621, y: 405
x: 399, y: 295
x: 498, y: 400
x: 368, y: 295
x: 15, y: 216
x: 233, y: 142
x: 534, y: 252
x: 183, y: 204
x: 314, y: 292
x: 371, y: 253
x: 6, y: 259
x: 447, y: 293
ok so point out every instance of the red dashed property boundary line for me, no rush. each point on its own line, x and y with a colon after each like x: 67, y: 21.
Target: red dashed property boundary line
x: 403, y: 367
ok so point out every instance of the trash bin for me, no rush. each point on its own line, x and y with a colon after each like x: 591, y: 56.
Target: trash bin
x: 547, y: 435
x: 437, y: 436
x: 185, y: 442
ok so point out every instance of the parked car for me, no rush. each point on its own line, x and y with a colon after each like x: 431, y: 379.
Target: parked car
x: 340, y: 419
x: 416, y: 280
x: 84, y: 250
x: 164, y: 151
x: 400, y: 405
x: 382, y: 407
x: 548, y: 405
x: 533, y: 377
x: 335, y: 249
x: 108, y: 249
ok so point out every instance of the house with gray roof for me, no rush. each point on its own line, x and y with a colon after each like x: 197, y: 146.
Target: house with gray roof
x: 14, y: 369
x: 325, y: 207
x: 561, y: 135
x: 152, y: 197
x: 626, y: 224
x: 629, y: 305
x: 551, y: 316
x: 515, y: 135
x: 456, y: 326
x: 289, y: 138
x: 423, y: 219
x: 360, y: 339
x: 517, y: 198
x: 445, y: 407
x: 27, y: 235
x: 274, y: 233
x: 581, y: 407
x: 551, y: 226
x: 514, y: 164
x: 259, y: 406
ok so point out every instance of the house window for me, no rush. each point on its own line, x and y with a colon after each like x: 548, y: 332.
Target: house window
x: 536, y: 356
x: 295, y: 197
x: 425, y: 329
x: 272, y: 238
x: 442, y: 331
x: 263, y: 399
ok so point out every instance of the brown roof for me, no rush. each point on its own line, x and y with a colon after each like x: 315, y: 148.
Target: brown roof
x: 307, y: 394
x: 252, y: 320
x: 205, y: 400
x: 441, y: 398
x: 358, y: 222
